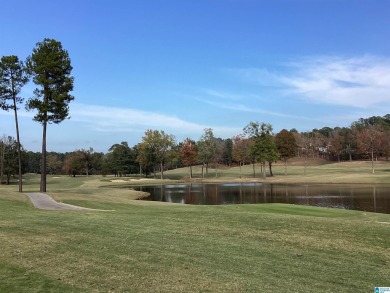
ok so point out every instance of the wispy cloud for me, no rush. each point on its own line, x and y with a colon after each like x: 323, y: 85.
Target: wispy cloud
x: 244, y: 108
x: 357, y: 82
x: 222, y: 95
x: 360, y: 82
x: 242, y: 103
x: 260, y: 76
x: 115, y: 119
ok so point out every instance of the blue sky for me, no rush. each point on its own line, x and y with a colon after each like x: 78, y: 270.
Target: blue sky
x: 185, y: 65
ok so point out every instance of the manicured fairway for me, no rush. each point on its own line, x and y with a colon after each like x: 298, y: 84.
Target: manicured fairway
x: 317, y: 171
x: 157, y: 247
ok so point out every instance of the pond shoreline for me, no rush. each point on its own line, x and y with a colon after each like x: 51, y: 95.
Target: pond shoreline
x: 350, y: 196
x: 271, y: 180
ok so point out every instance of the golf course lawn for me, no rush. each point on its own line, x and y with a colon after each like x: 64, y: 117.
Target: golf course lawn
x: 140, y: 246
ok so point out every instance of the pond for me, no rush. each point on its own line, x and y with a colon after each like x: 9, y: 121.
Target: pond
x: 371, y: 198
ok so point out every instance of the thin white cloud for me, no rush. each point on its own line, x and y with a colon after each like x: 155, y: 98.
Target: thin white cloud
x: 229, y: 101
x: 260, y: 76
x: 244, y: 108
x: 361, y: 82
x: 222, y: 95
x: 114, y: 119
x: 358, y: 82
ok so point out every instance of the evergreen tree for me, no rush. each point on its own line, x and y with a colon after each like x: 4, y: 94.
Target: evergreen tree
x: 13, y: 77
x: 50, y: 68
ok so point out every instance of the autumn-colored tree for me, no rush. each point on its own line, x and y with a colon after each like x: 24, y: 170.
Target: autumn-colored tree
x: 368, y: 140
x: 319, y: 141
x: 299, y: 141
x: 286, y: 145
x: 304, y: 146
x: 54, y: 164
x: 336, y: 145
x: 219, y: 153
x: 385, y: 144
x: 156, y: 145
x: 350, y: 143
x: 188, y: 153
x: 73, y: 164
x: 88, y: 158
x: 145, y: 159
x: 241, y: 150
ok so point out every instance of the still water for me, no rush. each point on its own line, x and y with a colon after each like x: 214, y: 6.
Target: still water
x: 372, y: 198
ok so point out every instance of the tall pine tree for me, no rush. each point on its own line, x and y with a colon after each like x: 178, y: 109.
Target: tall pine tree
x: 50, y: 68
x: 13, y: 77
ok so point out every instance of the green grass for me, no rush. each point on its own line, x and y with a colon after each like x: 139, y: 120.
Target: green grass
x: 317, y: 171
x: 157, y: 247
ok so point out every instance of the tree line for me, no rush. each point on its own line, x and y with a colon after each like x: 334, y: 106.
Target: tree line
x: 258, y: 145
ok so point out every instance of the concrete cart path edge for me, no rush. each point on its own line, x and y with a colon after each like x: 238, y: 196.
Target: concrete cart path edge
x: 45, y: 202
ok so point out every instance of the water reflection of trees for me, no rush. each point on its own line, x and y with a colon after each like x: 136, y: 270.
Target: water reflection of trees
x: 375, y: 198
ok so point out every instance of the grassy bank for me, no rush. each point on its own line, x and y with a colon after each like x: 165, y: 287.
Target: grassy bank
x: 317, y: 171
x: 157, y: 247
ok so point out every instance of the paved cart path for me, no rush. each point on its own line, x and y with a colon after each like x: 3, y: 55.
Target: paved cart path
x: 45, y: 202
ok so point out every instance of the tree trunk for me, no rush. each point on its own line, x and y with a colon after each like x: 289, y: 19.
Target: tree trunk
x: 254, y: 171
x: 18, y: 144
x: 2, y: 156
x: 202, y: 170
x: 162, y: 171
x: 240, y: 171
x: 305, y: 163
x: 285, y: 167
x: 190, y: 171
x: 270, y: 168
x: 372, y: 160
x: 216, y: 170
x: 43, y: 166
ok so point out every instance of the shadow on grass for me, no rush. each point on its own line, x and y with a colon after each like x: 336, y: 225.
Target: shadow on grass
x: 17, y: 279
